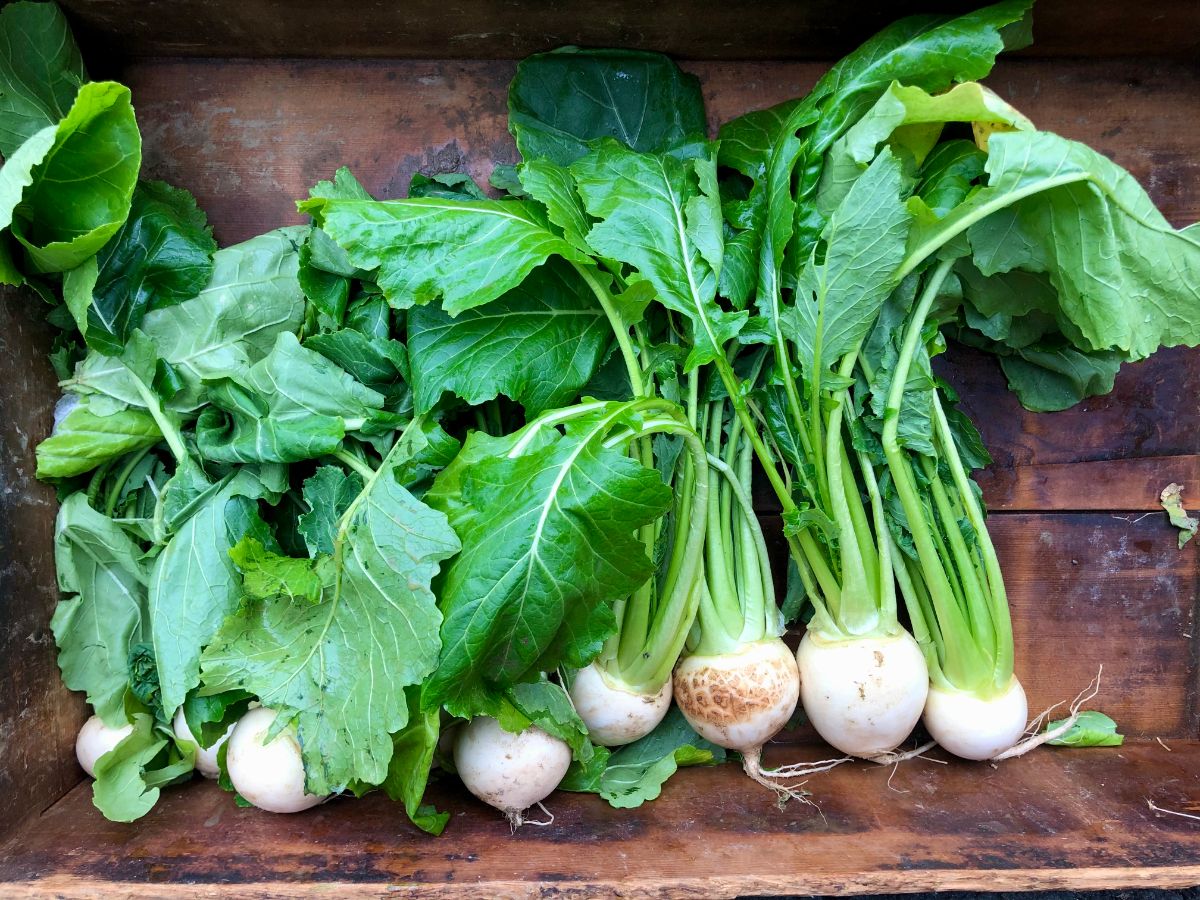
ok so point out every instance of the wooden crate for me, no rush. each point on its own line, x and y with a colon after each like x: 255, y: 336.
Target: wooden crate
x: 1092, y: 567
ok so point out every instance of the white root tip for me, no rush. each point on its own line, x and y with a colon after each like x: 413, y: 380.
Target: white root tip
x: 891, y: 757
x: 1035, y: 740
x: 516, y: 818
x: 773, y: 779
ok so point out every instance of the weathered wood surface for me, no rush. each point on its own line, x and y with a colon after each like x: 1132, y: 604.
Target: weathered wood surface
x: 1092, y: 590
x: 250, y: 138
x: 38, y: 715
x: 696, y: 29
x: 1074, y: 819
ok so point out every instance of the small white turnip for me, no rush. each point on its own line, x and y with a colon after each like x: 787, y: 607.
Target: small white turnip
x: 739, y: 700
x: 509, y: 771
x: 95, y: 739
x: 269, y: 775
x: 974, y: 727
x: 614, y: 713
x: 863, y: 695
x: 206, y: 758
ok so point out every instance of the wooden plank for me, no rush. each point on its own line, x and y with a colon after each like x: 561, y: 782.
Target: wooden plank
x: 1106, y: 484
x: 698, y: 29
x: 38, y: 715
x: 249, y: 138
x: 1151, y: 411
x: 1065, y: 819
x: 1103, y: 590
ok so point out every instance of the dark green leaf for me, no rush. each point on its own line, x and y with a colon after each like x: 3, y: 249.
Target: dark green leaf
x: 328, y: 495
x: 538, y: 344
x: 561, y: 101
x: 548, y: 545
x: 40, y: 71
x: 161, y: 256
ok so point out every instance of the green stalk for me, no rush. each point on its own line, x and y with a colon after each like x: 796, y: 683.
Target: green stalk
x: 170, y: 432
x: 114, y: 492
x: 960, y: 662
x: 996, y: 592
x: 354, y: 462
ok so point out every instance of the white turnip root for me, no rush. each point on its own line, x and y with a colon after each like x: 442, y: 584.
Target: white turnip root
x: 511, y: 772
x: 614, y: 713
x: 740, y: 700
x: 269, y: 775
x: 95, y: 739
x: 206, y: 758
x: 863, y: 695
x: 975, y: 727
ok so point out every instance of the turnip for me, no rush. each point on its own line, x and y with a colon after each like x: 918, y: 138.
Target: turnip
x: 976, y: 726
x: 269, y: 774
x: 739, y: 700
x: 95, y: 739
x: 511, y: 772
x: 953, y: 588
x: 206, y: 757
x: 739, y: 683
x: 614, y: 713
x: 863, y: 695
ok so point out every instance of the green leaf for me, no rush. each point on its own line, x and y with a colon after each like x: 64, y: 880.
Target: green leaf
x: 547, y: 705
x: 912, y: 119
x: 292, y: 405
x: 82, y: 186
x: 126, y: 787
x: 267, y: 574
x: 1172, y: 501
x: 343, y: 186
x: 339, y: 667
x: 40, y: 71
x: 252, y: 297
x: 209, y: 718
x: 194, y: 585
x: 161, y: 256
x: 948, y: 175
x: 1050, y: 378
x: 413, y: 749
x: 328, y: 495
x: 553, y: 187
x: 84, y: 440
x: 559, y: 102
x: 1091, y: 729
x: 538, y: 344
x: 661, y: 215
x: 636, y: 773
x: 377, y: 362
x: 468, y: 253
x: 1124, y: 277
x: 548, y: 545
x: 447, y: 186
x: 101, y: 567
x: 840, y: 294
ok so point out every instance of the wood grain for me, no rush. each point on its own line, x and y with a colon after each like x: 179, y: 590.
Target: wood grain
x: 249, y: 138
x: 1068, y: 819
x: 741, y: 29
x: 38, y: 715
x: 1105, y: 484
